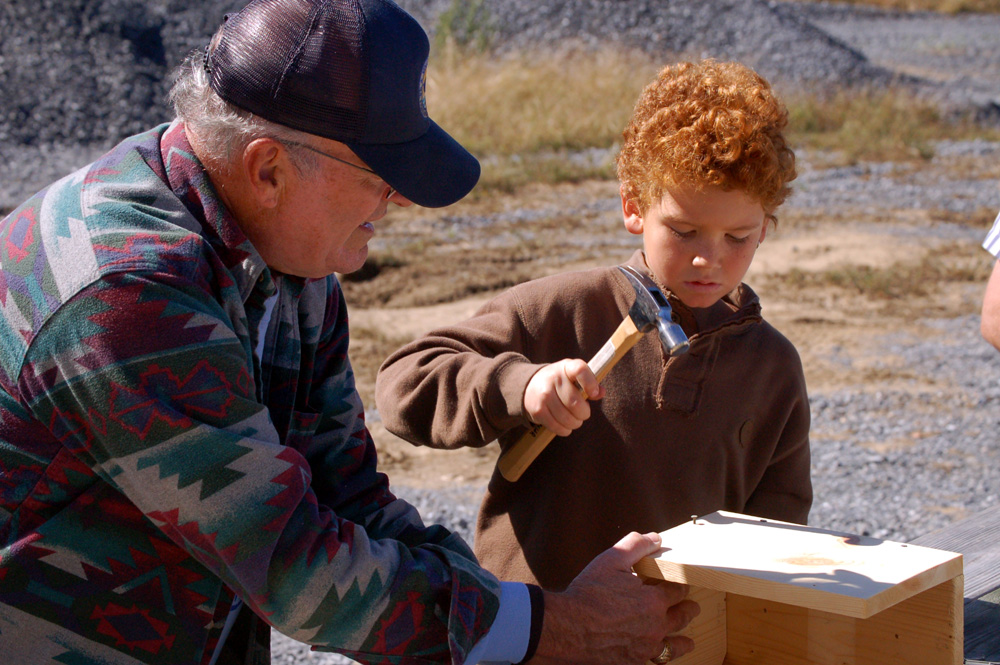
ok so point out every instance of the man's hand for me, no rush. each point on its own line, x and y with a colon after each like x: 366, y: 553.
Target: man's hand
x: 608, y: 615
x: 553, y: 398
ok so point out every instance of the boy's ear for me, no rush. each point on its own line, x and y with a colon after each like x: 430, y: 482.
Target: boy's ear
x: 631, y: 214
x: 763, y: 230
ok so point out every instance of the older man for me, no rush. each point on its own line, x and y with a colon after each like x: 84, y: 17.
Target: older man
x: 183, y: 454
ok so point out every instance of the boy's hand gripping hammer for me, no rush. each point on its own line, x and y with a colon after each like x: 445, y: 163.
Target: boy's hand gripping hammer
x: 650, y: 310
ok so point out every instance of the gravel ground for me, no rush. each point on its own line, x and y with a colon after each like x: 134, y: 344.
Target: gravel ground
x: 947, y: 184
x: 943, y: 460
x: 946, y: 471
x: 947, y: 468
x: 97, y: 70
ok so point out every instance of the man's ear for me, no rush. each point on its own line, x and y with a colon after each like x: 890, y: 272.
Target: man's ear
x: 266, y: 168
x: 631, y: 214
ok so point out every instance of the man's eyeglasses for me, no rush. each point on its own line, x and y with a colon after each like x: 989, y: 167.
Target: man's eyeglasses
x: 343, y: 161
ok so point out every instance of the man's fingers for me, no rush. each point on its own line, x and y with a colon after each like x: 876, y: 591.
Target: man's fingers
x: 612, y: 616
x: 681, y: 645
x: 633, y: 547
x: 681, y: 614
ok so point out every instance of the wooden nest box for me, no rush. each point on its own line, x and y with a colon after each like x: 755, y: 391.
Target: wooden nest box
x: 774, y: 593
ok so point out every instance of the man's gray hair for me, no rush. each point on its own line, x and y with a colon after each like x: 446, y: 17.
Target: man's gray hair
x: 222, y: 128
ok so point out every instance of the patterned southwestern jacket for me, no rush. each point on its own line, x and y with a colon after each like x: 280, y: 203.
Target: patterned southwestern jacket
x: 151, y: 465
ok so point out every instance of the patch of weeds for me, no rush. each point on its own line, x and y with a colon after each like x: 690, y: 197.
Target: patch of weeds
x: 980, y: 219
x: 537, y: 101
x: 445, y: 276
x: 868, y: 125
x: 530, y: 115
x: 871, y: 375
x: 508, y: 174
x: 950, y: 263
x: 465, y: 25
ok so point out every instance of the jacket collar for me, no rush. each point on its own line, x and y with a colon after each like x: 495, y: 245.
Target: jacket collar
x: 187, y: 178
x: 738, y: 307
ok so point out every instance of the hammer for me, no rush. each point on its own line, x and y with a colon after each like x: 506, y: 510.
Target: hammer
x: 649, y: 310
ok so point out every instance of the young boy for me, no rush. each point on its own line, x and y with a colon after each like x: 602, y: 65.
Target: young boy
x: 725, y: 426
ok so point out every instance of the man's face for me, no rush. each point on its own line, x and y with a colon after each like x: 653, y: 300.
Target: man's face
x: 699, y: 242
x: 327, y: 217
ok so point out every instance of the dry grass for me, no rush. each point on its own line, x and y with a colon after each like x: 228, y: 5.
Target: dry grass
x: 536, y: 102
x: 531, y: 115
x: 876, y: 125
x: 868, y: 125
x: 551, y: 117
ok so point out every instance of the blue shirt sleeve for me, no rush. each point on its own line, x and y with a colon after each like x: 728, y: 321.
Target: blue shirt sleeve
x: 507, y: 640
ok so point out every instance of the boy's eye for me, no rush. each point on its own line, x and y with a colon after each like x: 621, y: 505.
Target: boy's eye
x: 738, y: 241
x: 681, y: 234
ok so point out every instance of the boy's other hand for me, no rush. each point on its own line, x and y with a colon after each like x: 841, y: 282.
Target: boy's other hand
x: 554, y: 399
x: 609, y: 615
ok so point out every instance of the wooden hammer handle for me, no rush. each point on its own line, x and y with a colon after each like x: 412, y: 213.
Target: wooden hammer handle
x: 515, y: 459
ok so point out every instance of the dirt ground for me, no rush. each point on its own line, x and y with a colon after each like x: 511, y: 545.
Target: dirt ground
x: 828, y: 281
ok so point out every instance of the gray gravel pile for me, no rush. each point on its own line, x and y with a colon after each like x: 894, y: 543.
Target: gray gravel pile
x: 77, y: 76
x: 955, y: 59
x: 772, y: 36
x: 84, y: 71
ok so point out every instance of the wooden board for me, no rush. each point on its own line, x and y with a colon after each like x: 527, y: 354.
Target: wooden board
x: 834, y: 572
x: 977, y: 538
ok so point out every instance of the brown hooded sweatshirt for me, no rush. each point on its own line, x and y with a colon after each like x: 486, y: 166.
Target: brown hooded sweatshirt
x: 723, y: 427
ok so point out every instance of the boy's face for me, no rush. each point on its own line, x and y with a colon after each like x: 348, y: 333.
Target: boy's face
x: 699, y: 242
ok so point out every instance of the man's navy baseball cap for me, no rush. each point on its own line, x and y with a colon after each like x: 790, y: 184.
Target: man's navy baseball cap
x: 349, y: 70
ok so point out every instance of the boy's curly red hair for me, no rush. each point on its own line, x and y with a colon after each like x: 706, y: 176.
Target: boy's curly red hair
x: 707, y: 123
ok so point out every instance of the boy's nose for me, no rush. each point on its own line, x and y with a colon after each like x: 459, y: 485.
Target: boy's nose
x: 705, y: 255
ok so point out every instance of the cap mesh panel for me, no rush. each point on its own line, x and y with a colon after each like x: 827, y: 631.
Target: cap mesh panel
x: 297, y: 63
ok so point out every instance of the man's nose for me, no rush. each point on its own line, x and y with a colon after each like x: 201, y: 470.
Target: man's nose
x: 398, y: 199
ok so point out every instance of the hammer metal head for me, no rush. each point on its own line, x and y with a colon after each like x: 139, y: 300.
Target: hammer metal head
x: 651, y: 309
